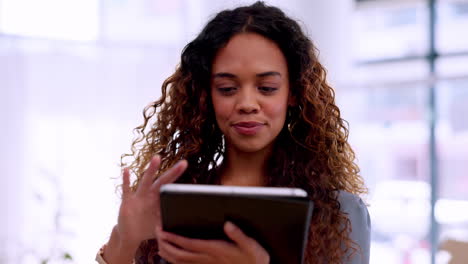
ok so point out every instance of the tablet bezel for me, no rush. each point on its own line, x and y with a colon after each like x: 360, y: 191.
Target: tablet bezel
x: 233, y: 190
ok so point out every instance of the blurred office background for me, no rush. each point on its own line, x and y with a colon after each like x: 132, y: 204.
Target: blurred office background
x: 76, y: 74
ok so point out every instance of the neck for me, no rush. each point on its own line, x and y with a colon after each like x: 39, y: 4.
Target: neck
x: 244, y: 168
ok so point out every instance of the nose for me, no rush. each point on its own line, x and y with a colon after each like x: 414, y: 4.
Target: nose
x: 247, y: 102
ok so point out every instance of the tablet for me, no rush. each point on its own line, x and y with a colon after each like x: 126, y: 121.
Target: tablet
x: 277, y: 218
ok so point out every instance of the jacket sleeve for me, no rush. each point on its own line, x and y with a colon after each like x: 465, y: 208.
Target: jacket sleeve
x: 360, y: 233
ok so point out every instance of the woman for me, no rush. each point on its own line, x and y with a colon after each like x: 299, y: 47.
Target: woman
x: 249, y: 105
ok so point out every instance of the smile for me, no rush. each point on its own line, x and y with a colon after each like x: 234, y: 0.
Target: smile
x: 248, y: 128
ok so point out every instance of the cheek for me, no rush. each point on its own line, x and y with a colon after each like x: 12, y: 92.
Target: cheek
x: 221, y: 108
x: 277, y: 111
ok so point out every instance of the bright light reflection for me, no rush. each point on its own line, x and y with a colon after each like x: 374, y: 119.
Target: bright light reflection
x: 451, y: 211
x: 57, y: 19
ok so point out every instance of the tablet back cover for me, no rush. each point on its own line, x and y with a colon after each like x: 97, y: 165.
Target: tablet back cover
x: 279, y: 224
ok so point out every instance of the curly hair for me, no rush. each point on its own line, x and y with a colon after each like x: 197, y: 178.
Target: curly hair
x: 311, y: 152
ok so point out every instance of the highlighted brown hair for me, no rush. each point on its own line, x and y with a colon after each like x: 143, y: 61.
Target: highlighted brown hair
x: 313, y: 154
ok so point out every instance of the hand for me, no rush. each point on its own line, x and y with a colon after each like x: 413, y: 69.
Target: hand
x: 181, y: 250
x: 139, y: 214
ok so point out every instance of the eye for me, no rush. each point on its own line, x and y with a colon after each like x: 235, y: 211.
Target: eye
x: 227, y: 90
x: 266, y: 89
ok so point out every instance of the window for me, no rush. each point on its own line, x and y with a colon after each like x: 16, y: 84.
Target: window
x: 392, y: 124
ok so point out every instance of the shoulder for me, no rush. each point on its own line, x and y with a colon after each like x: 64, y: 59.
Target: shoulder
x: 358, y: 215
x: 352, y: 204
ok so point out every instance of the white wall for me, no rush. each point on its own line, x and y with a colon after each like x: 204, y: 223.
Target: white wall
x: 67, y: 110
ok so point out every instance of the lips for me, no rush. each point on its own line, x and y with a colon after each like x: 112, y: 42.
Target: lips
x: 248, y: 128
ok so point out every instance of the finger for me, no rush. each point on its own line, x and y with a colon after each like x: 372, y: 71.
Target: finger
x: 170, y: 175
x: 167, y: 177
x: 158, y: 231
x: 193, y: 245
x: 126, y: 182
x: 149, y: 173
x: 241, y: 239
x: 164, y: 255
x: 169, y: 258
x: 178, y: 255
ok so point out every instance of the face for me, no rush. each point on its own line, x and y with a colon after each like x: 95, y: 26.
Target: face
x: 250, y: 92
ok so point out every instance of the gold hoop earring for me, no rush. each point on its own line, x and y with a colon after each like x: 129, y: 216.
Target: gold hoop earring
x: 291, y: 126
x: 291, y: 120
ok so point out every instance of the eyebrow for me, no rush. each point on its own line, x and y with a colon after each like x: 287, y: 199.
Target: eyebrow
x: 232, y: 76
x: 270, y: 73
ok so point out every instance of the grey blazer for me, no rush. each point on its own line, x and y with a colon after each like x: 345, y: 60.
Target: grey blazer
x: 359, y: 217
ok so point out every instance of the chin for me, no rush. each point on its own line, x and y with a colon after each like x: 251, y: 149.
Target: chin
x: 250, y: 148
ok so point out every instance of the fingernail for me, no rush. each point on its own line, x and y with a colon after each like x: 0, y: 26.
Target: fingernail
x: 159, y: 230
x: 161, y: 235
x: 182, y: 162
x: 230, y: 227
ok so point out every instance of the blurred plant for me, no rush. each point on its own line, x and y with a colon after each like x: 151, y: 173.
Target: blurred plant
x: 44, y: 197
x: 56, y: 255
x: 65, y: 256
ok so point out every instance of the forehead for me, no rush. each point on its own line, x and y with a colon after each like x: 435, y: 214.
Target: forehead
x: 249, y: 52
